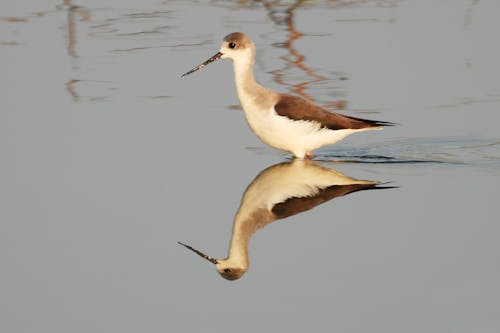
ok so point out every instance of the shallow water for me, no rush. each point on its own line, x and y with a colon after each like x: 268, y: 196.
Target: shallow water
x: 109, y: 158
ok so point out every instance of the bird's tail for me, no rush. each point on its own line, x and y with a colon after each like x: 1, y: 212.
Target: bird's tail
x: 370, y: 122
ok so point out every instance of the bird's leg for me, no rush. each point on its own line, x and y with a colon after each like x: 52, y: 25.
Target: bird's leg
x: 309, y: 155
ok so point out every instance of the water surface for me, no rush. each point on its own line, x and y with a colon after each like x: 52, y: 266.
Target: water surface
x: 109, y: 158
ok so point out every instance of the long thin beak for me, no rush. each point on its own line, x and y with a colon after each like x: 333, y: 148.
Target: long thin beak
x: 212, y: 59
x: 201, y: 254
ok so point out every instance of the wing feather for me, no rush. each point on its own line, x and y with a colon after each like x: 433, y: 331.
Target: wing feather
x: 296, y: 108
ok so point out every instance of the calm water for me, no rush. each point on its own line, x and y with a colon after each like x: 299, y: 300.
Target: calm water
x: 108, y: 159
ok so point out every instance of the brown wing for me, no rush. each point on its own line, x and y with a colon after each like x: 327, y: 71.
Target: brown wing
x: 294, y: 205
x: 297, y: 108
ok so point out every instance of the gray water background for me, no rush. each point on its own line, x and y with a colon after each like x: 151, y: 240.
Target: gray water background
x: 108, y: 158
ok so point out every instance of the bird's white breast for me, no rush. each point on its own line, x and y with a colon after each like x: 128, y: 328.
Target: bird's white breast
x: 296, y: 136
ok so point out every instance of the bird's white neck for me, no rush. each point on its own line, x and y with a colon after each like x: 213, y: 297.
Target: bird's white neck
x: 250, y: 93
x: 244, y: 227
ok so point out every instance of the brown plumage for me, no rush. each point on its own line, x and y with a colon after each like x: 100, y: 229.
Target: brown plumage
x: 295, y: 205
x: 297, y: 108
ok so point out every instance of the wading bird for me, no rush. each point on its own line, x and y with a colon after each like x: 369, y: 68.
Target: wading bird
x: 283, y: 121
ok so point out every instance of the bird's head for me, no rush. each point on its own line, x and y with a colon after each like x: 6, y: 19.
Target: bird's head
x: 227, y: 268
x: 236, y: 46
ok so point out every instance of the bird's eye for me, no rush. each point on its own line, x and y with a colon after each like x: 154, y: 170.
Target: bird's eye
x: 232, y: 45
x: 227, y: 270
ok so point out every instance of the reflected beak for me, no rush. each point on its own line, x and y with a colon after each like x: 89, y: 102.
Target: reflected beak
x: 201, y: 254
x: 212, y: 59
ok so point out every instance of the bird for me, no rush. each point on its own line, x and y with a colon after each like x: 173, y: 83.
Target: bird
x: 282, y: 190
x: 283, y: 121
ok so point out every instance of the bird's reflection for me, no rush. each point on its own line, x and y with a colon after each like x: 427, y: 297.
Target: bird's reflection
x: 280, y: 191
